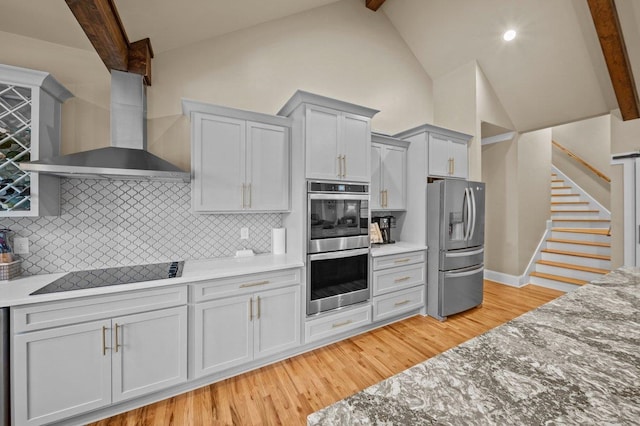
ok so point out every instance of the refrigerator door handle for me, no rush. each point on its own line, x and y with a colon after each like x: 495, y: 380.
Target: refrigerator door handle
x: 474, y: 211
x: 467, y: 195
x: 465, y: 253
x: 465, y: 272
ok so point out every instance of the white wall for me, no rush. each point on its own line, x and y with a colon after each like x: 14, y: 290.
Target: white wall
x: 341, y: 50
x: 534, y: 191
x: 625, y: 137
x: 591, y: 140
x: 454, y: 100
x: 85, y: 118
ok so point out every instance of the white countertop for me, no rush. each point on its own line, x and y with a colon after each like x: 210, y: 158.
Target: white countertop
x: 397, y: 248
x: 17, y: 292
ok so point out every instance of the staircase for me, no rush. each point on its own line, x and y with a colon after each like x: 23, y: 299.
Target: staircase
x: 577, y: 249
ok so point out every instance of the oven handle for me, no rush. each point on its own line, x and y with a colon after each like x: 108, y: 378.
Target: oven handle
x: 339, y: 196
x: 339, y: 254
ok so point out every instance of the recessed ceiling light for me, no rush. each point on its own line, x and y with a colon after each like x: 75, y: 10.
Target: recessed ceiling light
x: 509, y: 35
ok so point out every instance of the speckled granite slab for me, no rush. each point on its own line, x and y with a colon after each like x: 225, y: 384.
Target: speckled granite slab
x: 574, y: 360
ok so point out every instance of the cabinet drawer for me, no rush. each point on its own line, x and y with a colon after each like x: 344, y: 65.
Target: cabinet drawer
x: 389, y: 280
x: 243, y: 284
x: 54, y: 314
x: 391, y: 261
x: 330, y: 325
x: 396, y: 303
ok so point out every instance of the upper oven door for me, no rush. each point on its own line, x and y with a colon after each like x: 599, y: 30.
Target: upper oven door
x: 338, y: 222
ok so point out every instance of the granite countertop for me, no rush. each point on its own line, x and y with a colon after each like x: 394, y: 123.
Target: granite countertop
x: 17, y: 292
x: 574, y: 360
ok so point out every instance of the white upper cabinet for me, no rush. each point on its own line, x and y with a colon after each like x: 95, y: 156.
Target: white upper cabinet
x: 239, y: 160
x: 388, y: 173
x: 336, y: 137
x: 30, y: 111
x: 447, y: 150
x: 324, y: 158
x: 338, y: 145
x: 448, y: 156
x: 267, y: 172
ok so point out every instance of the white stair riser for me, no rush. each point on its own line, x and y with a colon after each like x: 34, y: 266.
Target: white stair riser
x: 580, y: 224
x: 581, y: 248
x: 557, y: 184
x: 555, y: 191
x: 557, y: 285
x: 575, y: 215
x: 598, y: 238
x: 571, y: 273
x: 565, y: 198
x: 577, y: 260
x: 570, y: 207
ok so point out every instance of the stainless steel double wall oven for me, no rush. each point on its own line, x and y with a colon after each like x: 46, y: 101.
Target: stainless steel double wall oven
x: 338, y: 245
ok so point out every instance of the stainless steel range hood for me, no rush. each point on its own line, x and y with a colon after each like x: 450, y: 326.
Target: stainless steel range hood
x: 127, y: 157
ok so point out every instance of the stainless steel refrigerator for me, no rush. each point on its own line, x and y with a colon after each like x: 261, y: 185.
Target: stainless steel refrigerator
x: 455, y: 240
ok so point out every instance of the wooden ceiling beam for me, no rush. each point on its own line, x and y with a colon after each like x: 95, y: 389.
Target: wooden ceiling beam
x: 607, y: 24
x: 101, y: 23
x: 374, y: 4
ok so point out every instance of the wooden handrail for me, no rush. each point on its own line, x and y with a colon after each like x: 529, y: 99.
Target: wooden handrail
x: 581, y: 161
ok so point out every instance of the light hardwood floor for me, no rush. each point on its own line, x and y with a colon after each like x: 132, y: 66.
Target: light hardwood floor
x: 286, y: 392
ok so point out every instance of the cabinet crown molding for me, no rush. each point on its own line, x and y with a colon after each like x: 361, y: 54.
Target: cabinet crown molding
x: 302, y: 97
x: 388, y: 140
x: 190, y: 106
x: 430, y: 128
x: 28, y: 77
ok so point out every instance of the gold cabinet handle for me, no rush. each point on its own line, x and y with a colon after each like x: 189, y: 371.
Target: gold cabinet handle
x: 399, y: 280
x: 104, y: 341
x: 251, y: 309
x: 344, y: 170
x: 118, y: 345
x: 341, y: 324
x: 254, y: 284
x: 339, y: 166
x: 386, y: 198
x: 401, y: 260
x: 258, y: 307
x: 242, y: 192
x: 404, y: 302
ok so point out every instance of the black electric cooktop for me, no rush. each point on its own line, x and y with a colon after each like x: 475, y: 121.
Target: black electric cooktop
x: 80, y: 280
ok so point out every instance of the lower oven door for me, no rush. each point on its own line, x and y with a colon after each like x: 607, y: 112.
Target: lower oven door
x: 337, y: 279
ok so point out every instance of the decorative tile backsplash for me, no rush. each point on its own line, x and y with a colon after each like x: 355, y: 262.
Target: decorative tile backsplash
x: 107, y: 223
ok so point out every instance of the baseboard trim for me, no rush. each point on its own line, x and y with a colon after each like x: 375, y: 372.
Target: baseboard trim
x: 502, y: 278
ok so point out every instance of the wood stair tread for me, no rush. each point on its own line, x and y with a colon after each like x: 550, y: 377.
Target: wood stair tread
x: 557, y: 180
x: 577, y: 254
x: 574, y: 211
x: 581, y: 220
x: 559, y: 278
x: 574, y: 267
x: 565, y: 195
x: 569, y: 202
x: 597, y: 231
x: 584, y: 243
x: 560, y: 187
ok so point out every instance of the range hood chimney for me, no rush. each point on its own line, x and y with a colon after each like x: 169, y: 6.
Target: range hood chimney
x: 127, y: 157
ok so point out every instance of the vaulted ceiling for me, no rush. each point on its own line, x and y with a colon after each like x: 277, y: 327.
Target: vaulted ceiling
x: 552, y: 73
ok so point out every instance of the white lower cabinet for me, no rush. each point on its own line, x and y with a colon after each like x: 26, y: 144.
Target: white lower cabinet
x: 336, y: 323
x: 398, y: 284
x: 61, y: 372
x: 149, y: 353
x: 398, y: 302
x: 68, y: 370
x: 235, y: 330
